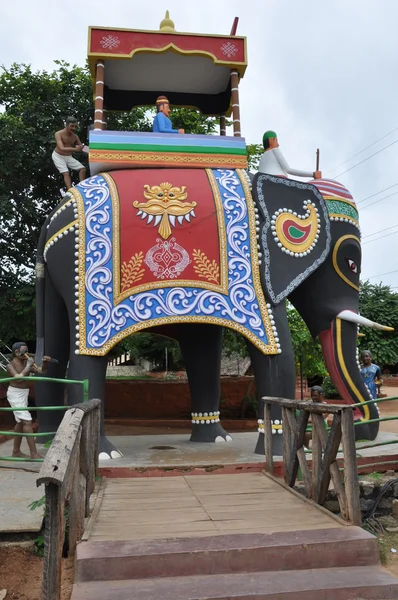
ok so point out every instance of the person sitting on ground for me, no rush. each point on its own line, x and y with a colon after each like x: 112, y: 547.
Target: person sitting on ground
x: 273, y: 162
x: 67, y: 142
x: 317, y: 395
x: 162, y: 123
x: 370, y: 373
x: 17, y: 395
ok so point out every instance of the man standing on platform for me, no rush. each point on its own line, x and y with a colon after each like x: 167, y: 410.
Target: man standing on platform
x: 273, y: 162
x: 162, y: 123
x: 67, y: 142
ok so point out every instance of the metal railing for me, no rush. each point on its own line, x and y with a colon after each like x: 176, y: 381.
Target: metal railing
x: 83, y: 383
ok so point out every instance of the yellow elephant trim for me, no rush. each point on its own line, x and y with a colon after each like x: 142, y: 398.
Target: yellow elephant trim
x: 334, y: 259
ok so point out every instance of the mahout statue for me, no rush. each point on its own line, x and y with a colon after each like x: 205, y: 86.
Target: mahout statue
x: 170, y: 235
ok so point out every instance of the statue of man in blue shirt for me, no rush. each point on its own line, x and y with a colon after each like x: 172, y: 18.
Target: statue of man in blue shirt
x: 162, y: 123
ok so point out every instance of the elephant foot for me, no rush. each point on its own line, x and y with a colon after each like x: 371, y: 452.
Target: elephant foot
x: 108, y: 450
x: 277, y: 448
x: 209, y: 433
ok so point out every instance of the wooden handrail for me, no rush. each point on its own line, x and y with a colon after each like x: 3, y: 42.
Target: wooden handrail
x: 325, y: 446
x: 68, y: 473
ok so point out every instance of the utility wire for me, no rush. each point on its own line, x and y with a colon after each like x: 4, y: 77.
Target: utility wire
x: 358, y: 153
x: 381, y: 274
x: 365, y: 159
x: 381, y: 231
x: 380, y: 237
x: 377, y: 193
x: 380, y: 200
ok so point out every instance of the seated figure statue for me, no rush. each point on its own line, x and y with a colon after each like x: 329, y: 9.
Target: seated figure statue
x: 162, y: 123
x: 273, y: 162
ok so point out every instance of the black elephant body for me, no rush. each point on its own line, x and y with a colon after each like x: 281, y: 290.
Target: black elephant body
x: 306, y: 257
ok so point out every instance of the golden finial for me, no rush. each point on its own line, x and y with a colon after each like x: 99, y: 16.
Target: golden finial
x: 167, y: 24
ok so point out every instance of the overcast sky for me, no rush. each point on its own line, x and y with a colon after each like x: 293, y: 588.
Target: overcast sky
x: 322, y: 73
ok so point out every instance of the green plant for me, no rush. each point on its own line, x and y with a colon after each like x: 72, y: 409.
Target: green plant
x: 331, y: 393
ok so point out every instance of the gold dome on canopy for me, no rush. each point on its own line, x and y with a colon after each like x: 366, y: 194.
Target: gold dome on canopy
x: 167, y: 24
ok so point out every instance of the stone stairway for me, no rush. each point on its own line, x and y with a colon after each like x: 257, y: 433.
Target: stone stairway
x: 324, y: 564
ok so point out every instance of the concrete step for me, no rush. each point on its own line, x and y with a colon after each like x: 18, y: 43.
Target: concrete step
x: 315, y: 584
x: 238, y: 553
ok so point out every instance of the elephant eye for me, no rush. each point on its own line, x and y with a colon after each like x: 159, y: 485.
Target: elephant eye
x: 353, y: 266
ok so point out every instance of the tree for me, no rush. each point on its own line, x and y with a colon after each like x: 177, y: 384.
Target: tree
x: 306, y: 350
x: 254, y: 153
x: 378, y: 303
x: 35, y: 105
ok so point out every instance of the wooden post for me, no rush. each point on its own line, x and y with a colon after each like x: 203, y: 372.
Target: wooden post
x: 268, y: 438
x: 286, y: 443
x: 316, y: 458
x: 223, y: 127
x: 54, y: 542
x: 235, y: 102
x: 351, y: 482
x: 317, y: 160
x: 99, y: 95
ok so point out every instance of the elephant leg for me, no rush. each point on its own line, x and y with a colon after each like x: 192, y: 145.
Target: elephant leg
x: 56, y: 344
x: 201, y: 349
x: 275, y: 375
x: 92, y: 368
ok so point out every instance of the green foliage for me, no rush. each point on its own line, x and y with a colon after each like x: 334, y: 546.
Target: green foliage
x: 153, y: 348
x: 234, y: 343
x: 306, y: 350
x: 379, y: 303
x: 37, y: 503
x: 329, y: 389
x: 254, y: 153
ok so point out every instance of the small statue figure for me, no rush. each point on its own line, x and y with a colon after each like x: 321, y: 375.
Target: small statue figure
x: 22, y: 365
x: 162, y: 123
x: 273, y: 162
x: 68, y: 142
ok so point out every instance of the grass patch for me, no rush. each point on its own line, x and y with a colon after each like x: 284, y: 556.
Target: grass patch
x: 386, y: 542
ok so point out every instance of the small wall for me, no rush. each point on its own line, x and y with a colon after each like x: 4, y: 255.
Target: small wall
x: 124, y: 370
x: 168, y: 399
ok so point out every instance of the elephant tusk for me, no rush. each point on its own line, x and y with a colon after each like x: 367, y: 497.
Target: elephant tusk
x: 349, y: 315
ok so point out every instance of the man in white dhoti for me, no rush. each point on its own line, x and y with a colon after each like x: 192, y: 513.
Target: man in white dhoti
x: 22, y: 365
x: 273, y: 162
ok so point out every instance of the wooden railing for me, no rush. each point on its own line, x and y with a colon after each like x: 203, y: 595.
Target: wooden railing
x: 325, y: 445
x: 68, y: 472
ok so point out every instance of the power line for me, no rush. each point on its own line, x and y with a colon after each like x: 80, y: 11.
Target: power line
x: 358, y: 153
x: 377, y: 201
x: 380, y: 237
x: 376, y: 194
x: 381, y: 231
x: 365, y: 159
x: 381, y: 274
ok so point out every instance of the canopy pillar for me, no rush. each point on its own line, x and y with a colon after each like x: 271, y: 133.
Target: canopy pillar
x: 99, y: 122
x: 235, y: 102
x: 223, y: 128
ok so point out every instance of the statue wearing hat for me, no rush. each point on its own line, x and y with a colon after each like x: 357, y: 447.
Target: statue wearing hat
x: 162, y: 123
x: 273, y: 162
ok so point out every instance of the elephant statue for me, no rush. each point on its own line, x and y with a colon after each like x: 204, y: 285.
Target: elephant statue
x: 186, y: 252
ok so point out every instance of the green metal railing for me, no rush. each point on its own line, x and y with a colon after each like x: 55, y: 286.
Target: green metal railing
x: 83, y: 383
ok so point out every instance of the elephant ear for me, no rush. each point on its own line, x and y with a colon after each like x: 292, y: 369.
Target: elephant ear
x: 295, y: 232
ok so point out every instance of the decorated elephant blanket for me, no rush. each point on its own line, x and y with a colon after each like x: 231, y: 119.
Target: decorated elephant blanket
x: 159, y: 247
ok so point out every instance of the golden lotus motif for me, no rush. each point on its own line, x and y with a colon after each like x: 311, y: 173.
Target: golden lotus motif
x: 165, y: 205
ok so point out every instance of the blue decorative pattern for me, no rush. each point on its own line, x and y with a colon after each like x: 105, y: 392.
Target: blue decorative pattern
x: 102, y: 323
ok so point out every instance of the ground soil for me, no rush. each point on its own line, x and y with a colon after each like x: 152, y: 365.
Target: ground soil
x: 21, y: 572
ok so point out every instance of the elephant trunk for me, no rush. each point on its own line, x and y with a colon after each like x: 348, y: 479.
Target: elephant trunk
x: 339, y: 347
